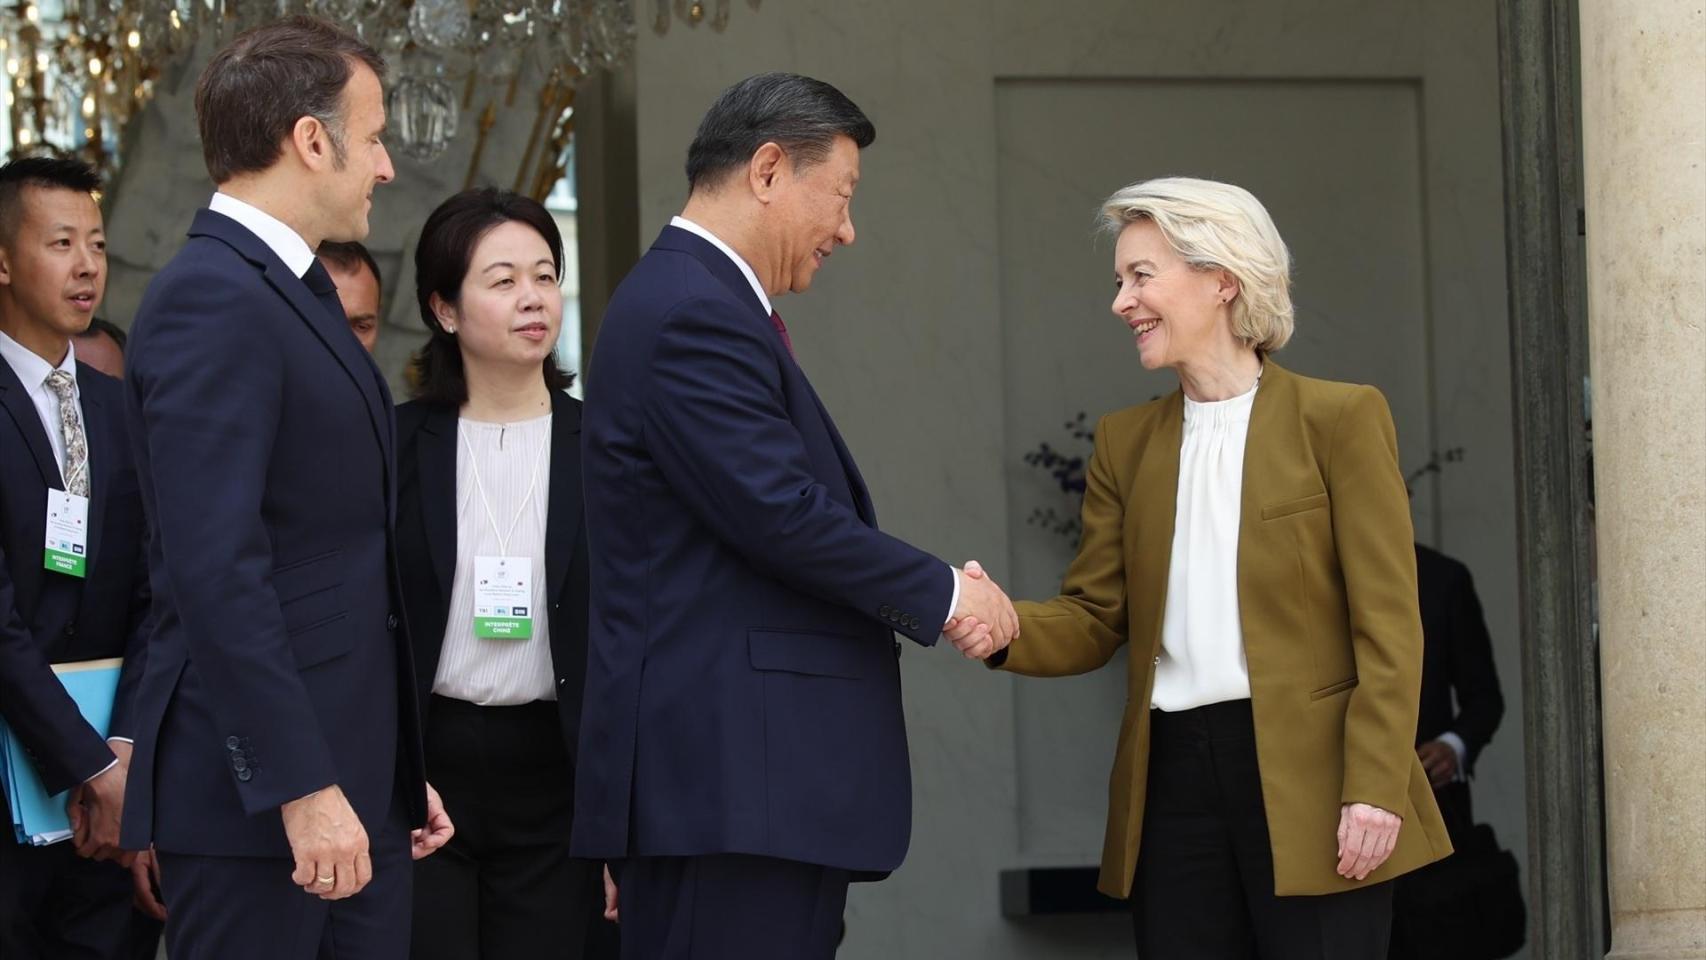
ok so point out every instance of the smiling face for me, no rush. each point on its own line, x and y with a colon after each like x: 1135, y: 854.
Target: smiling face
x: 362, y: 164
x: 814, y: 213
x: 54, y: 266
x: 510, y: 307
x: 1176, y: 312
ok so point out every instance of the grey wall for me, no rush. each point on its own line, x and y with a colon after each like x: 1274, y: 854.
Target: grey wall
x: 970, y: 320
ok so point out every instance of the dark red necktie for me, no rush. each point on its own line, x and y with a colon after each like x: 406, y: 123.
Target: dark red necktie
x: 782, y: 328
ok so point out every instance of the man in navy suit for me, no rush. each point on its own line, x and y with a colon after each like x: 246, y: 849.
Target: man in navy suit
x: 743, y: 751
x: 62, y: 435
x: 278, y: 764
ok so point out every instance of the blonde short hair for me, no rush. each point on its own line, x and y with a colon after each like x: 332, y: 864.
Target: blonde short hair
x: 1218, y: 226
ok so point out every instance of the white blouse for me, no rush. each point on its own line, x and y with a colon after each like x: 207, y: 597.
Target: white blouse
x: 1202, y: 640
x: 511, y: 463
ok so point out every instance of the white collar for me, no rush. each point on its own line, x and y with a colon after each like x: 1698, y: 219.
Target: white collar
x: 31, y: 369
x: 728, y: 251
x: 275, y: 233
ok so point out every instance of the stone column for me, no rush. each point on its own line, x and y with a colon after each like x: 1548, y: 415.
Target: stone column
x: 1644, y: 142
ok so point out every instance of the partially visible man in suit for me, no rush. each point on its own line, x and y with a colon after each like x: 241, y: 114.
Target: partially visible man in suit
x: 1457, y: 664
x: 356, y: 274
x: 101, y: 345
x: 278, y: 758
x: 62, y: 440
x: 742, y: 747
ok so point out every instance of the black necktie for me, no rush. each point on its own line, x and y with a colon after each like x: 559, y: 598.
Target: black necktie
x: 324, y: 290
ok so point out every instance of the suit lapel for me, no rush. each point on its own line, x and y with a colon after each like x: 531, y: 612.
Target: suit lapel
x: 97, y: 431
x: 332, y: 333
x: 336, y: 338
x: 23, y: 412
x: 563, y: 513
x: 1156, y: 488
x: 861, y: 496
x: 435, y: 462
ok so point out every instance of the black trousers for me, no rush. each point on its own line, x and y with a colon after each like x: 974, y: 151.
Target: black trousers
x: 730, y: 907
x: 505, y: 887
x: 55, y: 905
x: 1205, y: 875
x: 218, y: 908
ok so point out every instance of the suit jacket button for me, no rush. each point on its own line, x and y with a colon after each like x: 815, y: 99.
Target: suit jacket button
x: 245, y: 775
x: 239, y: 764
x: 884, y: 610
x: 913, y: 623
x: 70, y: 630
x: 390, y: 621
x: 1158, y: 661
x: 232, y: 743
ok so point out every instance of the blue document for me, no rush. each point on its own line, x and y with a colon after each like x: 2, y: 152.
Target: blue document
x: 37, y: 818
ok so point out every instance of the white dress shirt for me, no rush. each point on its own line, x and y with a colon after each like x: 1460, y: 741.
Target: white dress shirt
x: 752, y: 278
x: 1202, y: 639
x: 275, y: 233
x: 513, y: 466
x: 34, y: 371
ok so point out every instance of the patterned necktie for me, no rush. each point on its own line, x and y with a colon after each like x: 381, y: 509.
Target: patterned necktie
x: 781, y: 328
x: 76, y: 446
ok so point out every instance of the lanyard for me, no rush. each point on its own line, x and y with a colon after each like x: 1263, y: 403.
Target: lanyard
x: 532, y: 484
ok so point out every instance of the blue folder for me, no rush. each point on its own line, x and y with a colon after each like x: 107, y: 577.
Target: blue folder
x: 37, y: 818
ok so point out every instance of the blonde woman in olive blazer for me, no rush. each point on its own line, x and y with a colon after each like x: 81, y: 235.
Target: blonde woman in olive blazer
x: 1277, y: 609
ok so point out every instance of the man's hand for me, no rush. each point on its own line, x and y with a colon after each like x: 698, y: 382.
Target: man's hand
x: 329, y: 844
x: 1440, y: 761
x: 145, y: 880
x: 611, y: 912
x: 1367, y: 836
x: 985, y: 622
x: 438, y: 830
x: 96, y: 808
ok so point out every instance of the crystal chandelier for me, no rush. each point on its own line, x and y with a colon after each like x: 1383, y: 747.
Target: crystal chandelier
x: 78, y: 70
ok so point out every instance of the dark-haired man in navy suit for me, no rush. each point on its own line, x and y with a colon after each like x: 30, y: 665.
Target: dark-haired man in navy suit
x: 63, y: 452
x: 278, y: 767
x: 743, y: 752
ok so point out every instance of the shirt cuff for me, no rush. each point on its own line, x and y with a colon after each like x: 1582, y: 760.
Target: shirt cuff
x: 1457, y: 746
x: 120, y: 740
x: 104, y: 769
x: 954, y: 602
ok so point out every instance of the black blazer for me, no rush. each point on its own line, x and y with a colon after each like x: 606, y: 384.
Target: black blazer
x: 1457, y: 656
x: 426, y: 540
x: 264, y: 442
x: 50, y: 618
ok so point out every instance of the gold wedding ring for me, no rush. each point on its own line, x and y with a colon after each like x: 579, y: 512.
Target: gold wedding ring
x: 326, y: 880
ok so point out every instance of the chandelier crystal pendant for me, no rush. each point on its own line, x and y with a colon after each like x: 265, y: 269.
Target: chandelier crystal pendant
x: 77, y: 71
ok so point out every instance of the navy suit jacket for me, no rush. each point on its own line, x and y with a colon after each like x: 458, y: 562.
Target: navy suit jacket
x: 426, y: 539
x: 742, y: 692
x: 1457, y: 657
x: 279, y: 665
x: 47, y: 617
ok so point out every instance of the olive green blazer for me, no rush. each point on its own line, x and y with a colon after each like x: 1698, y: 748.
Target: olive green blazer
x: 1327, y: 595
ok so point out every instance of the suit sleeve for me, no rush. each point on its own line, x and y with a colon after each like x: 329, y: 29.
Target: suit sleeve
x: 1081, y: 629
x: 65, y: 749
x: 1474, y: 678
x: 717, y: 427
x: 1372, y: 531
x: 210, y: 397
x: 141, y: 624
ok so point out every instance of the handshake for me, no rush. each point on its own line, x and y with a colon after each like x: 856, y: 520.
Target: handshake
x: 984, y: 621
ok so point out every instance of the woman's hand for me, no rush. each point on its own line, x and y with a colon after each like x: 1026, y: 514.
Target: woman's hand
x: 1367, y: 836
